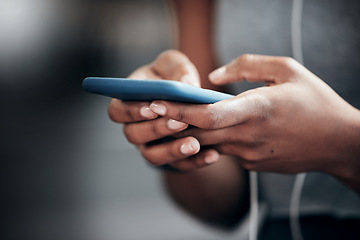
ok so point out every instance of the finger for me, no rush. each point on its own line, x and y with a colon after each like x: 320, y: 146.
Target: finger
x: 174, y: 65
x: 147, y: 131
x: 249, y: 105
x: 239, y: 134
x: 202, y: 159
x: 249, y: 157
x: 256, y: 68
x: 144, y: 72
x: 125, y: 112
x: 168, y: 152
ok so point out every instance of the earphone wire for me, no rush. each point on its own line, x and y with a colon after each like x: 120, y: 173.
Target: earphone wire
x: 296, y: 42
x: 294, y: 211
x: 254, y: 206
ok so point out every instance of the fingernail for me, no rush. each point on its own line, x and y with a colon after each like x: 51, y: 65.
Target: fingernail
x: 147, y: 113
x: 217, y: 74
x: 158, y: 108
x: 212, y: 157
x: 176, y: 125
x: 190, y: 147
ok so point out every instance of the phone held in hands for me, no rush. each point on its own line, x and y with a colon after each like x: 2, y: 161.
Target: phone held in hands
x: 148, y: 90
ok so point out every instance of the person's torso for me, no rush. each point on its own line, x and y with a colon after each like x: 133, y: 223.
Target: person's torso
x: 331, y: 49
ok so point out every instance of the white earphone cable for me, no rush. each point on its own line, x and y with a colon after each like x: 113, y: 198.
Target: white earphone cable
x: 254, y: 206
x: 294, y: 211
x: 296, y: 19
x: 295, y: 207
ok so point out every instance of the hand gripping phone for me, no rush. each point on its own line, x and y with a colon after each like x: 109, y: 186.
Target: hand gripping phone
x: 149, y: 90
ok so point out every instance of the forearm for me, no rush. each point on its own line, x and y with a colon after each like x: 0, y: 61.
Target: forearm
x: 195, y: 36
x: 347, y: 155
x: 217, y: 194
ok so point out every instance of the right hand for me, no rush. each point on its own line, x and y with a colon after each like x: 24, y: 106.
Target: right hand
x: 143, y: 127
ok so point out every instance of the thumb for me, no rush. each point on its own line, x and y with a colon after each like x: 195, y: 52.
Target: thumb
x: 255, y: 68
x: 174, y: 65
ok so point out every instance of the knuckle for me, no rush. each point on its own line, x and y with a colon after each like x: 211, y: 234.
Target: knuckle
x: 250, y: 160
x: 288, y: 60
x: 129, y: 113
x: 213, y: 118
x: 156, y: 130
x: 113, y: 112
x: 180, y: 115
x: 181, y: 70
x: 150, y: 158
x: 244, y: 58
x: 262, y: 107
x: 170, y: 54
x: 112, y: 115
x: 121, y: 112
x: 239, y: 62
x: 288, y: 63
x: 211, y: 122
x: 174, y: 154
x: 130, y: 134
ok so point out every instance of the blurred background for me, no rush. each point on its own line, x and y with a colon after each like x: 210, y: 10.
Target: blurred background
x: 68, y: 171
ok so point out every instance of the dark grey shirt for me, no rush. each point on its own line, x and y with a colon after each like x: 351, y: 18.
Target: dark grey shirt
x: 331, y: 49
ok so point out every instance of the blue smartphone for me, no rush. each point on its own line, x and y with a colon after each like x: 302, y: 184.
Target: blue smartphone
x: 149, y: 90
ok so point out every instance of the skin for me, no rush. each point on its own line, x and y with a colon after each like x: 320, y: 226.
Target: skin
x: 295, y: 124
x: 200, y: 188
x: 195, y: 36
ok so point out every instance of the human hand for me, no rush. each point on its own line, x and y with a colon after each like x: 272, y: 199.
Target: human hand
x: 297, y: 123
x: 143, y: 127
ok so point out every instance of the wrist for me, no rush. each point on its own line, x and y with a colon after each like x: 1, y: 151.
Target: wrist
x: 347, y: 151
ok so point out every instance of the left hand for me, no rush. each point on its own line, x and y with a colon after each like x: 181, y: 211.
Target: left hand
x: 297, y: 123
x: 144, y: 128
